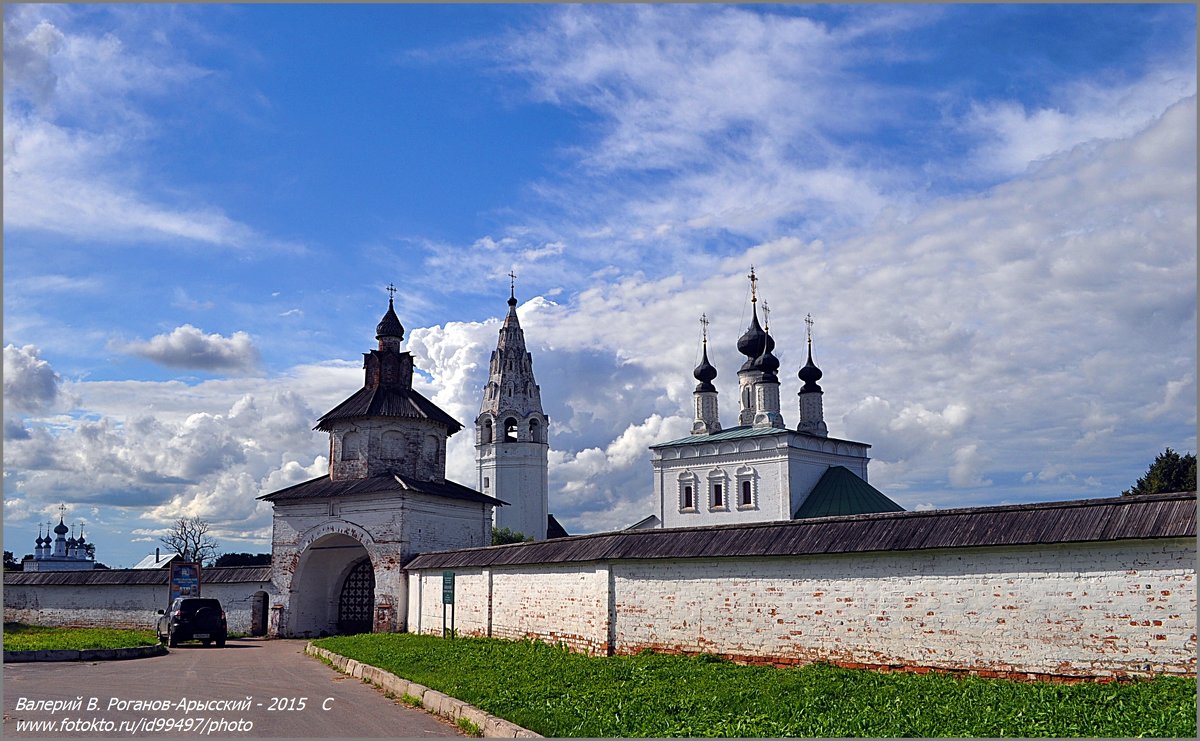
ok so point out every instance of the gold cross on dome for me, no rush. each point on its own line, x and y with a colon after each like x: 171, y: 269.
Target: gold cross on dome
x: 753, y: 286
x: 808, y: 321
x: 704, y: 326
x: 391, y: 289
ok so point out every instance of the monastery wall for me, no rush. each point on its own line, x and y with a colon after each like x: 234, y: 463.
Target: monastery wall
x: 1096, y: 609
x: 119, y: 605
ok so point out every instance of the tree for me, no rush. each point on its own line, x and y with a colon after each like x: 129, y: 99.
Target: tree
x: 190, y: 539
x: 11, y: 563
x: 502, y: 536
x: 243, y: 559
x: 1169, y: 472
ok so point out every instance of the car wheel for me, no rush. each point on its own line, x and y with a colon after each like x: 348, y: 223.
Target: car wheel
x: 206, y: 643
x: 221, y: 642
x: 172, y: 640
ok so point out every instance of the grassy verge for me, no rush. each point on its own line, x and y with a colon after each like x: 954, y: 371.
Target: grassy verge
x: 558, y: 693
x: 22, y: 637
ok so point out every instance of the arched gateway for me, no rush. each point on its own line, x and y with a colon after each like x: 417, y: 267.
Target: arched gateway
x: 340, y: 541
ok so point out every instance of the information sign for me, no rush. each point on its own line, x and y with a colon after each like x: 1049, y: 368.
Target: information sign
x: 185, y: 580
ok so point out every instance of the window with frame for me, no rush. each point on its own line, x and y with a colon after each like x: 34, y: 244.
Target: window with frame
x: 687, y: 483
x: 746, y: 492
x: 718, y: 496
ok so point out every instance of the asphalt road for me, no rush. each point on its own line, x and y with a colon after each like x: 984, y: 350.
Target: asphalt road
x: 252, y: 688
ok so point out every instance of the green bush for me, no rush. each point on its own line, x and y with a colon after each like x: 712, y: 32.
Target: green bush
x: 559, y: 693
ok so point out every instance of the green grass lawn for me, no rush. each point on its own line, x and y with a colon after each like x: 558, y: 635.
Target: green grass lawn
x: 558, y: 693
x: 21, y: 637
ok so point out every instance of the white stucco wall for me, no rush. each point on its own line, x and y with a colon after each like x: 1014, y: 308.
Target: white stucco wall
x: 120, y: 606
x: 1089, y: 609
x: 784, y: 468
x: 389, y: 528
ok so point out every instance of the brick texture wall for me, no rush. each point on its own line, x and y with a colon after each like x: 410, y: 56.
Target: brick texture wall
x: 1106, y: 609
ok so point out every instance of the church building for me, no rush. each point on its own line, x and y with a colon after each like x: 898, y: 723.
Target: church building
x: 339, y: 541
x: 759, y: 470
x: 61, y: 553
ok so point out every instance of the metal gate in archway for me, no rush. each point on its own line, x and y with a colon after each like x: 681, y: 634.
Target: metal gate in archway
x: 356, y: 606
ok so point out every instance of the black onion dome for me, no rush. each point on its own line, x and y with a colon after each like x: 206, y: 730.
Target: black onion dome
x: 810, y: 374
x: 705, y: 373
x: 40, y: 541
x: 768, y: 364
x: 753, y: 342
x: 61, y: 528
x: 390, y: 325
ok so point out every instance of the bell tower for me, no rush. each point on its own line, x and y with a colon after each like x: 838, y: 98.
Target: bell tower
x: 511, y: 440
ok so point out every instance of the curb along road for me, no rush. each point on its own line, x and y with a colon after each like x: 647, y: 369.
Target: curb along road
x: 431, y: 700
x: 86, y: 654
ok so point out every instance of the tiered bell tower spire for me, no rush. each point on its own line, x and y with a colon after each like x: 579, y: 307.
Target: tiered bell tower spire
x: 511, y: 441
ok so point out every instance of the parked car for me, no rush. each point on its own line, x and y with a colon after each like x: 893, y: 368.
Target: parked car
x: 193, y: 618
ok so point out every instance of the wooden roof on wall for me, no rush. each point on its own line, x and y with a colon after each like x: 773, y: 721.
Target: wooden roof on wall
x: 1076, y: 521
x: 133, y: 577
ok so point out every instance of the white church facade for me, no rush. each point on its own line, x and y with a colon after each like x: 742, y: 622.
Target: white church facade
x: 759, y: 470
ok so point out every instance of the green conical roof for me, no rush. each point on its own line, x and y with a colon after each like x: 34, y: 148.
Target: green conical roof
x: 840, y: 492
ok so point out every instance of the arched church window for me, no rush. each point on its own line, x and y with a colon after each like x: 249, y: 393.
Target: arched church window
x: 534, y: 434
x: 747, y: 486
x: 351, y: 444
x: 687, y: 491
x: 510, y: 429
x: 487, y: 431
x: 716, y: 490
x: 392, y: 444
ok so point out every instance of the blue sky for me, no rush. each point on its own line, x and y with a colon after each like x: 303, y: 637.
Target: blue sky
x: 988, y: 210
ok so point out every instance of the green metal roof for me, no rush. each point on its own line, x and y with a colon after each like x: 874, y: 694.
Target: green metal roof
x: 840, y: 492
x: 733, y: 433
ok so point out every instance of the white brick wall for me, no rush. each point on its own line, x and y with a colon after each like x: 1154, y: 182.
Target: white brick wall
x: 117, y: 606
x: 1090, y: 609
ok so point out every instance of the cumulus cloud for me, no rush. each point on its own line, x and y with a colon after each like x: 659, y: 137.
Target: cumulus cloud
x: 30, y: 384
x: 189, y: 348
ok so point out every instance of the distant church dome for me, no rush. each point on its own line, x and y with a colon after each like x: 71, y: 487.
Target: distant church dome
x: 61, y: 528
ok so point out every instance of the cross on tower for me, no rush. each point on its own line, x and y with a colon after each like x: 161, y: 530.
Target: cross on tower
x: 512, y: 283
x: 766, y: 317
x: 753, y: 286
x: 704, y: 327
x: 391, y: 289
x: 62, y: 510
x: 808, y: 321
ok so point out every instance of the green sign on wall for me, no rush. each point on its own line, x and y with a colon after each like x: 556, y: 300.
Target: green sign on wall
x: 447, y: 587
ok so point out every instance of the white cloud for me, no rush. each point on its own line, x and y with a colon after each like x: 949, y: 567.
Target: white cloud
x: 74, y: 120
x: 30, y: 384
x: 1016, y: 137
x: 188, y: 347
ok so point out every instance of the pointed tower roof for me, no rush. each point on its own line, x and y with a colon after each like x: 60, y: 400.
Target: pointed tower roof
x: 389, y: 325
x: 511, y: 386
x: 810, y: 373
x: 705, y: 372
